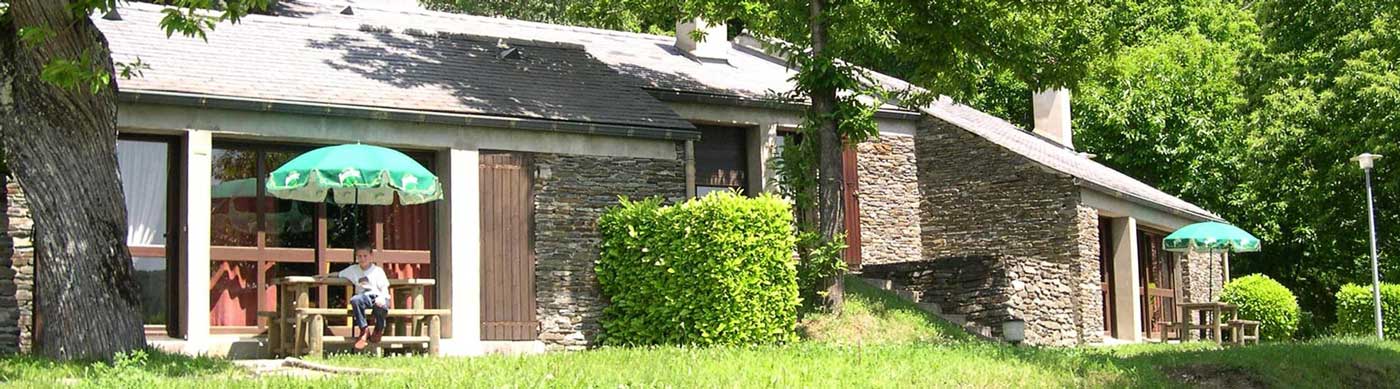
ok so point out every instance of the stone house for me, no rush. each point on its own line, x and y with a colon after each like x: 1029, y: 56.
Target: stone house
x: 552, y: 123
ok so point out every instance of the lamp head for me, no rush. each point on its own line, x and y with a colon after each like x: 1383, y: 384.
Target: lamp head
x: 1366, y: 160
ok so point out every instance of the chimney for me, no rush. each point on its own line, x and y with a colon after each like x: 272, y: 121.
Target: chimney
x: 713, y: 48
x: 1051, y: 109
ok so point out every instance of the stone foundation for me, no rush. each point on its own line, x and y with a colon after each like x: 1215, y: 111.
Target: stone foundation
x: 981, y: 200
x: 571, y: 192
x: 16, y: 272
x: 978, y: 287
x: 889, y: 200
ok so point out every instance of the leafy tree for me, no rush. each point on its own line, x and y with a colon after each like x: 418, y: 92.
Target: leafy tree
x: 1326, y: 88
x: 58, y: 126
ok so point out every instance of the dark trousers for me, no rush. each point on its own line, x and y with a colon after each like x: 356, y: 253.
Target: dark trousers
x: 361, y: 303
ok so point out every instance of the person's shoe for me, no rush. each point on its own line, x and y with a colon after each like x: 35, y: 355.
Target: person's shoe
x: 361, y: 341
x: 378, y: 334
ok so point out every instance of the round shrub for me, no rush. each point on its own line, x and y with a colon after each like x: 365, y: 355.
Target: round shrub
x: 1261, y: 298
x: 718, y: 270
x: 1356, y: 310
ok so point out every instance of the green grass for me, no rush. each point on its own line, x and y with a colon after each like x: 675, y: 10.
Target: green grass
x: 879, y: 341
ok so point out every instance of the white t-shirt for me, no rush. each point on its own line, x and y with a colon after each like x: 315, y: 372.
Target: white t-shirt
x: 377, y: 285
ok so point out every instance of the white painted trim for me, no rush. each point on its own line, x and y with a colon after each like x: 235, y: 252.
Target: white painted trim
x: 459, y: 250
x: 1111, y: 206
x: 284, y: 127
x: 194, y: 247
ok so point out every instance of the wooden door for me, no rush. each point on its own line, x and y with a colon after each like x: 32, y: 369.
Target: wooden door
x: 507, y: 248
x: 1158, y: 283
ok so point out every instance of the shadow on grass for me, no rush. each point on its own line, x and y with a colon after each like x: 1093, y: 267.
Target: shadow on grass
x: 148, y: 362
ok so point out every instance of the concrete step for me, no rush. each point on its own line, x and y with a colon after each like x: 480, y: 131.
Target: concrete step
x: 931, y: 307
x: 958, y: 320
x: 910, y: 295
x: 879, y: 283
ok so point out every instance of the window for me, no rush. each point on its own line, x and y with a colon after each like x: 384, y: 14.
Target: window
x: 145, y: 166
x: 721, y: 160
x: 256, y: 237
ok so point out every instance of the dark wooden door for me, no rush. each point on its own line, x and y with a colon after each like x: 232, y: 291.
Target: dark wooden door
x: 507, y: 248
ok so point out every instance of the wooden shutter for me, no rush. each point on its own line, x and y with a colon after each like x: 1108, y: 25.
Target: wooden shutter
x: 507, y: 249
x: 850, y: 196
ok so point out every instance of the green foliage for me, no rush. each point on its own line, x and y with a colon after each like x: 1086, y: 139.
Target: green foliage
x: 1356, y: 310
x: 718, y: 270
x: 820, y: 261
x: 1261, y: 298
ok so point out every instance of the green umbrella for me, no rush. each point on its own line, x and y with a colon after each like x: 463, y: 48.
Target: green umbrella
x: 355, y: 174
x: 1212, y: 237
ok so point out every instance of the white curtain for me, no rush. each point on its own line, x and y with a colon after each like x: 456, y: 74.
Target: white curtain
x: 144, y: 169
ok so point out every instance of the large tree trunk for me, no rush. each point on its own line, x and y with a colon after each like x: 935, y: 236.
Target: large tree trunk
x: 60, y: 144
x: 829, y: 180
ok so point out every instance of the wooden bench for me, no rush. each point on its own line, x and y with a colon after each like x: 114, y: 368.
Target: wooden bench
x: 297, y: 327
x: 425, y: 328
x: 1244, y: 331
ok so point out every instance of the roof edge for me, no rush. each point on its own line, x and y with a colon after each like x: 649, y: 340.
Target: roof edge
x: 377, y: 113
x: 679, y: 96
x: 1081, y: 182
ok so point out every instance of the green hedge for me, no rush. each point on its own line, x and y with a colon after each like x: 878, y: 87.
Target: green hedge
x: 1261, y: 298
x: 712, y: 271
x: 1356, y: 310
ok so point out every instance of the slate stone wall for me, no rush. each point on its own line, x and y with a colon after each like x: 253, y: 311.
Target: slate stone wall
x: 571, y: 192
x: 1200, y: 277
x: 977, y: 286
x: 16, y: 272
x: 889, y: 200
x: 979, y: 199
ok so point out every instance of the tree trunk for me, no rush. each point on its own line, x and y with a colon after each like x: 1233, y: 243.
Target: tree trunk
x: 829, y: 180
x: 60, y: 144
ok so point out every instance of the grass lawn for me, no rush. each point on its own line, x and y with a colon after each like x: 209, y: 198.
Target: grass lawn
x: 880, y: 341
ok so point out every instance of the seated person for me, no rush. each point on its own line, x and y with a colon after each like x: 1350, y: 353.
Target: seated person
x: 371, y: 293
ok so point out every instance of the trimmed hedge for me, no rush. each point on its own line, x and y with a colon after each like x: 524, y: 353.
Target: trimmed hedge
x: 718, y: 270
x: 1261, y: 298
x: 1356, y: 310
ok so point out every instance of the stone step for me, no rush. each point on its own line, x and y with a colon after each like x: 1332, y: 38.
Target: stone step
x: 958, y: 320
x: 879, y: 283
x: 931, y: 307
x: 906, y: 294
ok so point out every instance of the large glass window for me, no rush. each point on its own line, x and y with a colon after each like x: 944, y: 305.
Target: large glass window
x: 258, y: 238
x: 721, y: 160
x: 144, y: 165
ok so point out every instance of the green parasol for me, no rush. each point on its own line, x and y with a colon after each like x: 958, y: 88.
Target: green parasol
x: 1212, y: 237
x: 355, y: 174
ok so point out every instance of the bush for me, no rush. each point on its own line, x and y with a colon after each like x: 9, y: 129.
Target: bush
x: 1356, y: 310
x: 1261, y: 298
x: 712, y: 271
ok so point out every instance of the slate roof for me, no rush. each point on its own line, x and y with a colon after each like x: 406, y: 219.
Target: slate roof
x: 312, y: 52
x: 290, y: 60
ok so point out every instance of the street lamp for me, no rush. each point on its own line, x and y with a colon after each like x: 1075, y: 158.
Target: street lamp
x: 1368, y: 161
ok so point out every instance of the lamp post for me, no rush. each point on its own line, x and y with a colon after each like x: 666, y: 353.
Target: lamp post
x: 1367, y: 161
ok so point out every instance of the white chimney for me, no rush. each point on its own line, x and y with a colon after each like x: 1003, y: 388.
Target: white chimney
x: 714, y: 46
x: 1051, y: 109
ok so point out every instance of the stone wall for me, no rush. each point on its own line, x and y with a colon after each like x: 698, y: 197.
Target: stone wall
x: 978, y: 199
x: 976, y: 286
x: 1200, y: 277
x: 16, y: 272
x: 571, y: 192
x: 889, y: 200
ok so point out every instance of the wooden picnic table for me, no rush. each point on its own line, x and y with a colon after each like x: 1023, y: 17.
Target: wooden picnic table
x: 297, y: 326
x: 1212, y: 318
